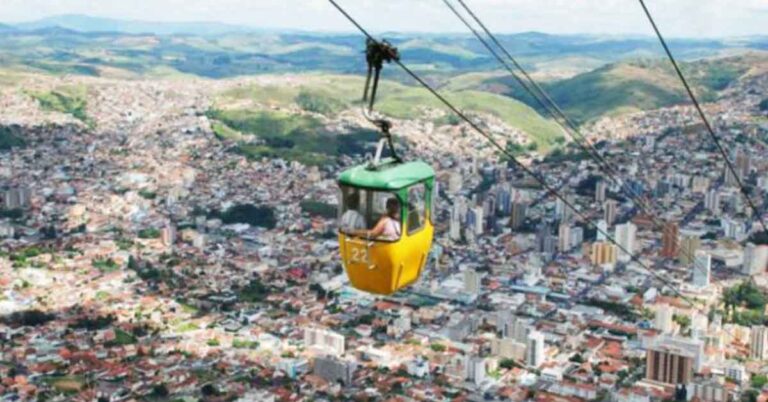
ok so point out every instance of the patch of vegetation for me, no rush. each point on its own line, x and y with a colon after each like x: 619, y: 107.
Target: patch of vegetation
x: 624, y: 311
x: 437, y: 347
x: 759, y: 380
x: 147, y: 194
x: 187, y: 327
x: 93, y: 323
x: 763, y: 105
x: 66, y: 384
x: 122, y: 338
x: 243, y: 344
x: 508, y: 364
x: 69, y: 99
x: 288, y: 136
x: 9, y: 139
x: 151, y: 233
x: 319, y: 102
x: 105, y: 265
x: 255, y: 292
x: 28, y: 318
x: 260, y: 216
x: 317, y: 208
x: 15, y: 213
x: 744, y: 304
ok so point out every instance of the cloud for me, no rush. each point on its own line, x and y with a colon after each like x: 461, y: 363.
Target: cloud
x: 682, y: 18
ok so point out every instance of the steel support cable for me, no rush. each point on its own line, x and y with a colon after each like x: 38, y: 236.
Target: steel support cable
x: 555, y: 111
x: 703, y: 116
x: 495, y: 143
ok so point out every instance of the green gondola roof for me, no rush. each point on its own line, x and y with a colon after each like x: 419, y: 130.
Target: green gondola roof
x: 388, y: 176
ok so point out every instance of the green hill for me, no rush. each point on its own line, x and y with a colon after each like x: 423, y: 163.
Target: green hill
x: 630, y: 87
x: 333, y: 93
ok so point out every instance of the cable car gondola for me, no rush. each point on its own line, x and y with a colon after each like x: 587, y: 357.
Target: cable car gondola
x: 386, y: 207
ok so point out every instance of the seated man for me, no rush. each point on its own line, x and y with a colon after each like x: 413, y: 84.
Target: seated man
x: 352, y: 220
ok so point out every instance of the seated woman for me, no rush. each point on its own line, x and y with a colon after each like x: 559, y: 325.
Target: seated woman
x: 388, y: 227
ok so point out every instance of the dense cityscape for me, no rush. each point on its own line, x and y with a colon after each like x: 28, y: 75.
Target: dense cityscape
x: 145, y: 256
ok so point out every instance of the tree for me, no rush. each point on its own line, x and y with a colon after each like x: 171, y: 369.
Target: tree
x: 764, y: 105
x: 160, y: 390
x: 436, y: 347
x: 759, y: 380
x: 683, y: 320
x: 577, y: 358
x: 507, y: 364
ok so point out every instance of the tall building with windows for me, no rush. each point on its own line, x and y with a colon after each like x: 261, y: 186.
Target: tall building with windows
x: 334, y: 369
x: 625, y: 237
x: 472, y: 281
x: 535, y: 349
x: 610, y: 208
x: 712, y: 201
x: 755, y: 259
x: 324, y: 340
x: 689, y: 245
x: 600, y: 189
x: 603, y: 253
x: 702, y: 268
x: 564, y: 238
x: 517, y: 219
x: 669, y: 365
x: 663, y: 319
x: 669, y: 242
x: 602, y: 230
x: 758, y: 343
x: 562, y: 211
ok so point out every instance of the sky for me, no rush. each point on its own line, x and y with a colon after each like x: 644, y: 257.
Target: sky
x: 676, y: 18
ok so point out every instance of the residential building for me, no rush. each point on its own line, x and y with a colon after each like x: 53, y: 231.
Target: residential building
x: 603, y: 253
x: 702, y: 269
x: 758, y: 343
x: 669, y: 365
x: 334, y: 369
x: 669, y: 242
x: 689, y: 245
x: 625, y: 238
x: 324, y: 341
x: 535, y: 349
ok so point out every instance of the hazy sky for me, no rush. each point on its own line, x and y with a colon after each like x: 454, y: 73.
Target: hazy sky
x: 681, y: 18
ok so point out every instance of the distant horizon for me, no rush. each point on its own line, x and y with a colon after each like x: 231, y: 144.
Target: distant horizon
x: 22, y: 25
x: 684, y: 19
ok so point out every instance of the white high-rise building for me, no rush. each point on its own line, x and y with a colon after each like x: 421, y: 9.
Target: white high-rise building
x: 564, y: 238
x: 577, y: 236
x: 600, y: 189
x: 733, y: 228
x: 534, y: 355
x: 663, y: 320
x: 563, y: 211
x: 324, y: 341
x: 475, y: 369
x: 712, y: 201
x: 472, y: 281
x: 699, y: 325
x: 755, y: 259
x: 625, y: 237
x: 458, y: 214
x: 610, y: 207
x: 479, y: 226
x: 758, y: 343
x: 602, y: 230
x: 702, y: 269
